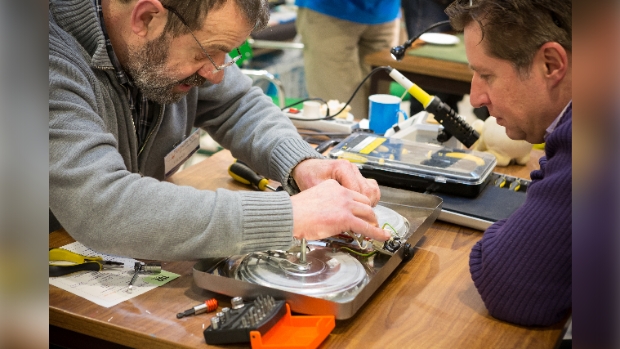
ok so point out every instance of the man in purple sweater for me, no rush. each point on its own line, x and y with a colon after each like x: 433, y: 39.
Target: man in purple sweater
x: 520, y: 54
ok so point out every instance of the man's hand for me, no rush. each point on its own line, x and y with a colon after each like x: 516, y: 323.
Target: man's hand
x: 312, y: 172
x: 329, y: 209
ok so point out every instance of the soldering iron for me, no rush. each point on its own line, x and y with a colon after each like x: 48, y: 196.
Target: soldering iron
x: 454, y: 124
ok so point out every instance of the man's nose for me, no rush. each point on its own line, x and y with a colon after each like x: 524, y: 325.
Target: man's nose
x: 207, y: 72
x: 478, y: 96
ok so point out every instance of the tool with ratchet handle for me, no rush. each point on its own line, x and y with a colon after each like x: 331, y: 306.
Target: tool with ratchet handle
x: 79, y: 261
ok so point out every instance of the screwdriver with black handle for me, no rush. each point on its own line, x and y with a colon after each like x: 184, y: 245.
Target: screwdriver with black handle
x: 241, y: 172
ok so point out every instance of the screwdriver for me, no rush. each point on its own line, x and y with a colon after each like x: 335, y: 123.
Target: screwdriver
x: 208, y: 306
x: 244, y: 174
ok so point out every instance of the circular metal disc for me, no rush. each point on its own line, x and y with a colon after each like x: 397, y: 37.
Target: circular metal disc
x: 327, y: 275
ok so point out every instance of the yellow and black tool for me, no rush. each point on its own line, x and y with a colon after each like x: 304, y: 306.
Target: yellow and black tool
x: 241, y: 172
x: 78, y: 261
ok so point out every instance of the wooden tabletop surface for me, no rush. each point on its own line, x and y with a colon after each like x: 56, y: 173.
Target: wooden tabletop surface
x: 427, y: 302
x: 430, y: 74
x: 422, y: 65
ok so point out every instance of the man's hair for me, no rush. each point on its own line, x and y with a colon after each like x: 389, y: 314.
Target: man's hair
x: 256, y: 12
x: 514, y: 30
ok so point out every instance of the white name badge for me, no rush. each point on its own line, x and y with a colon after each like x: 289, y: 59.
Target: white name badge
x: 181, y: 153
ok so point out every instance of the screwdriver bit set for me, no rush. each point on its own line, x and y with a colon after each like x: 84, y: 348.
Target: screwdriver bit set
x: 234, y: 325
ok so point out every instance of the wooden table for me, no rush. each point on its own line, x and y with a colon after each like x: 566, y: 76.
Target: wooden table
x: 428, y: 73
x: 428, y: 302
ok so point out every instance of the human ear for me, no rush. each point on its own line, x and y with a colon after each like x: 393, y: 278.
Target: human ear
x: 556, y: 61
x: 148, y: 18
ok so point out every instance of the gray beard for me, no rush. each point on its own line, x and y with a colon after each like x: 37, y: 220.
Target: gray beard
x: 146, y: 66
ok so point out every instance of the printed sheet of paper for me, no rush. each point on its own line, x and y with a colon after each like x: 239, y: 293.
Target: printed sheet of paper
x: 109, y: 286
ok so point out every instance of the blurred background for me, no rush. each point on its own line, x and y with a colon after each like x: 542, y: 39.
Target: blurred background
x: 596, y: 223
x: 23, y: 175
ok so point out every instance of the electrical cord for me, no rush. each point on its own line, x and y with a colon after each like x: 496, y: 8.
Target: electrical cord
x: 398, y: 52
x: 330, y: 117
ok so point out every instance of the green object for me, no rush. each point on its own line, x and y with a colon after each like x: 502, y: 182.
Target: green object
x: 454, y: 53
x: 161, y: 278
x: 246, y: 53
x: 397, y: 90
x: 287, y: 101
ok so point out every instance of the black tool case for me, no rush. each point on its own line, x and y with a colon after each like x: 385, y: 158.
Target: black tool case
x: 421, y: 167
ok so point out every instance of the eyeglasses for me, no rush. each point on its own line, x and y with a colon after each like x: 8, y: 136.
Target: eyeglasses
x: 217, y: 67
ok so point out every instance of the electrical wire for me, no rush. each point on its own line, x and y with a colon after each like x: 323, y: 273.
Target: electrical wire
x: 398, y: 56
x: 358, y: 253
x: 399, y: 51
x: 305, y: 100
x: 389, y: 225
x: 330, y: 117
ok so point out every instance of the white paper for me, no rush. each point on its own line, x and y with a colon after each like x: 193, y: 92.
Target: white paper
x: 107, y: 287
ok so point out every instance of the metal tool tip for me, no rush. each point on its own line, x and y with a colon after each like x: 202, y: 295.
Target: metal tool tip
x: 180, y: 315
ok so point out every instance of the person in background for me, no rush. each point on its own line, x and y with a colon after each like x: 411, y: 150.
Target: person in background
x: 337, y: 35
x: 419, y: 15
x: 520, y: 52
x: 129, y: 80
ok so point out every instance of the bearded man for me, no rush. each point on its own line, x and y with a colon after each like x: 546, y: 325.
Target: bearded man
x: 130, y: 80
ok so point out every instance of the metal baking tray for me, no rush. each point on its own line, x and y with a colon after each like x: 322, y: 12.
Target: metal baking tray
x: 419, y: 210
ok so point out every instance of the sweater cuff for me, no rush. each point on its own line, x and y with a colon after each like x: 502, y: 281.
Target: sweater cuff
x: 475, y: 262
x: 267, y: 221
x: 286, y: 156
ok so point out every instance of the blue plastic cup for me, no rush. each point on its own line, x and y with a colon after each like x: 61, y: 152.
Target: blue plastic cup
x: 383, y: 112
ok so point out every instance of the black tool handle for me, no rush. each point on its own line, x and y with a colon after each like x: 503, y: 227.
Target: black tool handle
x: 454, y: 124
x: 60, y: 270
x: 244, y: 174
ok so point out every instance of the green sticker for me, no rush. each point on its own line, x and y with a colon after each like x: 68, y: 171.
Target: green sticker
x: 161, y: 278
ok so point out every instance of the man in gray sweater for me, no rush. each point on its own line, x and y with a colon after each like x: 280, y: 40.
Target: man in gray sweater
x: 128, y: 81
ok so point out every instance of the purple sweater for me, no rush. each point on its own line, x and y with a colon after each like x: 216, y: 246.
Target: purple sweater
x: 522, y: 266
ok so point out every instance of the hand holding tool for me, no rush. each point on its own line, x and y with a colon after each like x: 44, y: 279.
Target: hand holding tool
x: 241, y: 172
x: 80, y: 262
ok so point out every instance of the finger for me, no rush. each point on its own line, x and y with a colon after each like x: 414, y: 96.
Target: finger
x: 367, y: 223
x: 372, y: 191
x: 361, y: 198
x: 369, y: 194
x: 348, y: 175
x: 371, y: 230
x: 377, y: 233
x: 366, y: 186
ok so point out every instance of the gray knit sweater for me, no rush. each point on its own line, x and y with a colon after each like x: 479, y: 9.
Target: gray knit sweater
x: 110, y: 196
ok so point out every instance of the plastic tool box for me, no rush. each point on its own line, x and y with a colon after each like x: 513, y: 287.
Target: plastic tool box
x: 421, y: 167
